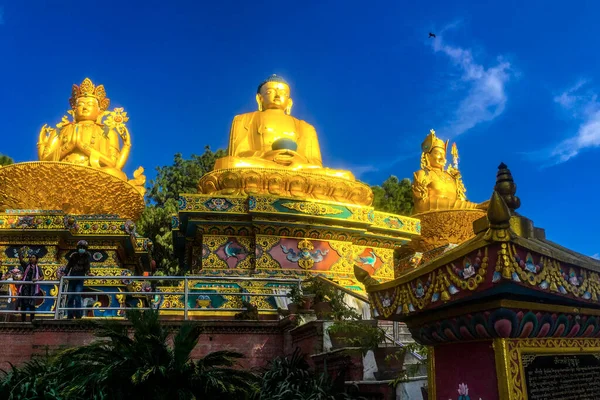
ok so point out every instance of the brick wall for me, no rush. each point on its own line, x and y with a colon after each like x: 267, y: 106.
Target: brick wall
x: 260, y: 341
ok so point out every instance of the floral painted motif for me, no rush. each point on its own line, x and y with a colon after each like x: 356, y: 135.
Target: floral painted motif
x: 218, y: 204
x: 469, y: 267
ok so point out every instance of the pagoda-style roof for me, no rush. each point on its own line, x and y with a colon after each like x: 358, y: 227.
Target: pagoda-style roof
x: 508, y: 258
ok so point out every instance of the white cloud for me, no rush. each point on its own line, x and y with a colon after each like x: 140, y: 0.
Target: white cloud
x: 384, y: 165
x: 584, y: 106
x: 596, y: 256
x: 486, y: 88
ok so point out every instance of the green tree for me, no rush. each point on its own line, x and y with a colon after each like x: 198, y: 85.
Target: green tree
x: 393, y: 196
x: 5, y: 160
x: 161, y: 199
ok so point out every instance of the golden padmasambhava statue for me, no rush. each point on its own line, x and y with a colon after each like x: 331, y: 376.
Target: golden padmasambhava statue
x: 272, y: 138
x: 436, y: 187
x: 90, y: 139
x: 272, y: 153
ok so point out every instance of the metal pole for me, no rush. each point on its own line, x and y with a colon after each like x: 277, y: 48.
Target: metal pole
x: 185, y: 298
x: 58, y: 297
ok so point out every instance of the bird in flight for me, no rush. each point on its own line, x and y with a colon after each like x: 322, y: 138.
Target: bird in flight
x: 431, y: 35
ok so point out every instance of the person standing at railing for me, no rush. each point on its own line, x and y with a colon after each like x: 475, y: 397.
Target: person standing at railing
x: 78, y: 265
x: 32, y: 273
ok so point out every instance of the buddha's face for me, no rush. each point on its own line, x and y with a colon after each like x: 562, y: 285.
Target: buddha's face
x: 87, y: 109
x: 274, y: 96
x: 437, y: 158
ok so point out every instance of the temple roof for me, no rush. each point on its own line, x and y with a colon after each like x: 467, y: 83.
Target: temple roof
x: 507, y: 256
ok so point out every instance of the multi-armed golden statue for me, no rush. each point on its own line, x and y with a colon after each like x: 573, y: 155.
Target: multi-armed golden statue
x: 81, y: 162
x: 90, y: 139
x: 271, y: 152
x: 436, y: 187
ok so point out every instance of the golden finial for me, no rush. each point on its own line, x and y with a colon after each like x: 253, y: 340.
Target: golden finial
x: 432, y: 141
x: 87, y: 89
x: 498, y: 215
x: 507, y: 188
x: 363, y: 277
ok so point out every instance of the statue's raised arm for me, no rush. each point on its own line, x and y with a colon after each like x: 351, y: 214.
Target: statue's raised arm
x: 89, y: 139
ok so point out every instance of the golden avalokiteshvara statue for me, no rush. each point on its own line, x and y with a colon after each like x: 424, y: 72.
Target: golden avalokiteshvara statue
x: 436, y: 187
x: 90, y: 139
x: 272, y: 153
x: 272, y: 138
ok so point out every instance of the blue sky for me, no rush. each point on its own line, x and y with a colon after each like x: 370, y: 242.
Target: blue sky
x: 509, y: 81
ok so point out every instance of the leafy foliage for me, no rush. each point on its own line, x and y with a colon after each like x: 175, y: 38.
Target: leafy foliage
x: 36, y: 379
x: 163, y: 193
x: 290, y: 378
x: 393, y: 196
x: 141, y: 366
x: 5, y: 160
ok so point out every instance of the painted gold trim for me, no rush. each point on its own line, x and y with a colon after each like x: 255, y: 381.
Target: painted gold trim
x: 431, y: 394
x: 454, y: 254
x: 500, y: 355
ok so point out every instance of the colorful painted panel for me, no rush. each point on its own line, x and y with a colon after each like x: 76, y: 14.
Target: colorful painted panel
x: 545, y: 274
x: 209, y: 203
x: 226, y: 252
x: 394, y: 222
x: 451, y: 281
x: 508, y: 323
x: 330, y: 210
x: 304, y: 254
x: 378, y: 262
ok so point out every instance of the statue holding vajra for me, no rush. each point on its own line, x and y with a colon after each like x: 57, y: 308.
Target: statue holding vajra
x: 90, y: 139
x: 436, y: 187
x: 272, y: 138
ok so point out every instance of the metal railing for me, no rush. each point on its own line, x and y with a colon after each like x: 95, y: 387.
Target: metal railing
x: 13, y: 298
x: 187, y: 292
x: 57, y: 306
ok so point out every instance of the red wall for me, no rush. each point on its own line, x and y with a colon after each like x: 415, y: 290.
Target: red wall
x: 472, y: 364
x: 260, y: 341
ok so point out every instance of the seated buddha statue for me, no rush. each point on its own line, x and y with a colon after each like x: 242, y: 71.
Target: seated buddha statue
x: 90, y: 139
x: 272, y: 138
x: 436, y: 187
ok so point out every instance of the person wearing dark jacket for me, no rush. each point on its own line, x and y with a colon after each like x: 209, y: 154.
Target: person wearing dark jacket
x: 32, y: 273
x: 78, y: 265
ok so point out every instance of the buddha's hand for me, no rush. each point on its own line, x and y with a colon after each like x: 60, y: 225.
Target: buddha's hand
x: 46, y: 133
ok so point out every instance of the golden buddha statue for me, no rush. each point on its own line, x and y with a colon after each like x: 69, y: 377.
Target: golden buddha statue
x: 272, y: 138
x: 90, y: 139
x: 436, y: 187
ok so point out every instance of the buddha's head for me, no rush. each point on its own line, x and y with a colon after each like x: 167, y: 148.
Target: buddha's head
x: 434, y: 152
x: 88, y: 101
x: 274, y: 94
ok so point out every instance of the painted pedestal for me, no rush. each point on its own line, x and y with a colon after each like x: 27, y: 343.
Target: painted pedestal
x: 52, y: 235
x: 267, y: 236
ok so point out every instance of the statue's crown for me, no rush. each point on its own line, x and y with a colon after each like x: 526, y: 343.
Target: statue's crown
x: 432, y: 141
x: 272, y: 78
x: 87, y: 89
